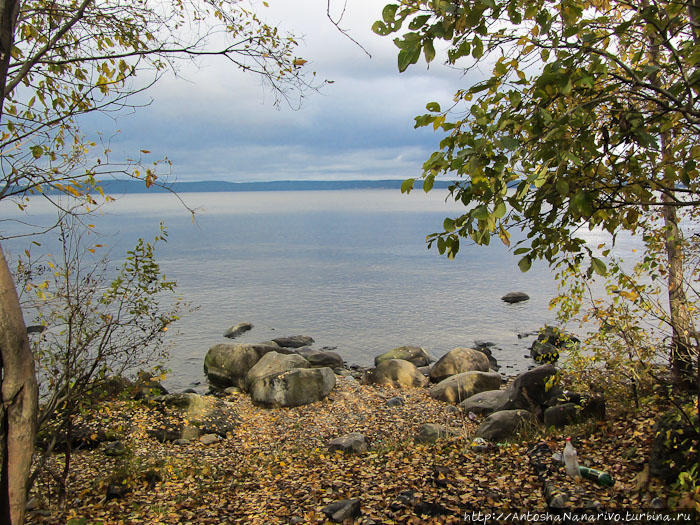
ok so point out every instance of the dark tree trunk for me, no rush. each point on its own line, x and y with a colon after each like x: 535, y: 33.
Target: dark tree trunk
x: 18, y: 387
x: 19, y: 403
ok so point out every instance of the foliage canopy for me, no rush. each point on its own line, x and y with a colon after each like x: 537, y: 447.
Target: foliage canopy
x: 589, y: 115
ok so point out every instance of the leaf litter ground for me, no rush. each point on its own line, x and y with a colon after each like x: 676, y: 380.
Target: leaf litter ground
x: 276, y: 467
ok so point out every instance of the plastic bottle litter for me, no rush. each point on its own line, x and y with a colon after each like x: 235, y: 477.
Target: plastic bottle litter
x: 570, y: 460
x: 602, y: 478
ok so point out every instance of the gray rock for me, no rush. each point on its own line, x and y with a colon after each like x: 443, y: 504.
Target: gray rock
x: 414, y: 354
x: 207, y: 414
x: 431, y: 432
x: 459, y: 387
x: 486, y: 402
x: 493, y: 363
x: 181, y: 442
x: 321, y: 359
x: 515, y: 297
x: 504, y: 424
x: 228, y: 364
x: 295, y: 341
x: 457, y: 361
x: 343, y: 510
x: 425, y: 370
x: 209, y: 439
x: 529, y: 390
x: 115, y: 448
x: 353, y: 442
x: 274, y: 363
x: 544, y: 352
x: 396, y: 401
x: 296, y: 387
x: 561, y: 415
x: 397, y: 373
x: 237, y: 330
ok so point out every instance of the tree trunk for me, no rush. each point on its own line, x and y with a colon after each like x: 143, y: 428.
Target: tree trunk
x: 682, y: 348
x: 19, y: 403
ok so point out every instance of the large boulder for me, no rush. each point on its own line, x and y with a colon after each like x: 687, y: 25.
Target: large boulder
x: 294, y: 341
x: 459, y: 387
x: 457, y: 361
x: 296, y: 387
x: 504, y: 424
x: 274, y: 363
x: 487, y: 402
x: 531, y: 389
x: 228, y: 364
x: 414, y: 354
x: 397, y: 373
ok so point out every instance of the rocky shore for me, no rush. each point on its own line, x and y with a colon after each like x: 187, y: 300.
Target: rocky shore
x: 292, y: 434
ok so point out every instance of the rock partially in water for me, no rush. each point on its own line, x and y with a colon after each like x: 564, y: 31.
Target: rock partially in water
x: 414, y: 354
x: 515, y: 297
x: 295, y: 341
x: 457, y: 361
x: 237, y: 330
x: 228, y: 364
x: 273, y: 363
x: 397, y: 373
x: 296, y: 387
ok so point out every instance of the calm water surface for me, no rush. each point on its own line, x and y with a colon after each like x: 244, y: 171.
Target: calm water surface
x: 349, y: 268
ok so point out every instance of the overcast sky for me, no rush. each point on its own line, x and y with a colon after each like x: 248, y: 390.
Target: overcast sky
x: 219, y: 124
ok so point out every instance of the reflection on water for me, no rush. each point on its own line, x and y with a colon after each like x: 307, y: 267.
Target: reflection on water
x: 349, y: 268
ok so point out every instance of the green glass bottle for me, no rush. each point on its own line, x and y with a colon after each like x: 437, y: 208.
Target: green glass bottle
x: 602, y: 478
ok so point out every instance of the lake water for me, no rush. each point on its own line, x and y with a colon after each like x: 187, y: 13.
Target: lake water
x: 349, y: 268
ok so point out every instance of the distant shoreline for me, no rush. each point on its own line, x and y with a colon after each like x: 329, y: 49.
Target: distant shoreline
x: 134, y: 186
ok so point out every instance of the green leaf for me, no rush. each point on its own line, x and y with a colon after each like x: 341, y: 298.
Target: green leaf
x: 599, y: 266
x: 428, y: 50
x: 478, y: 48
x: 500, y: 210
x: 407, y: 185
x: 418, y: 22
x: 449, y: 225
x: 562, y: 187
x: 433, y: 106
x: 520, y: 251
x: 509, y: 142
x: 524, y: 264
x: 428, y: 183
x: 408, y: 56
x: 37, y: 151
x: 380, y: 28
x: 480, y: 212
x: 389, y: 13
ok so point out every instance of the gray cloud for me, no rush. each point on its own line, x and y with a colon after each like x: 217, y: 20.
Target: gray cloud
x: 217, y: 123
